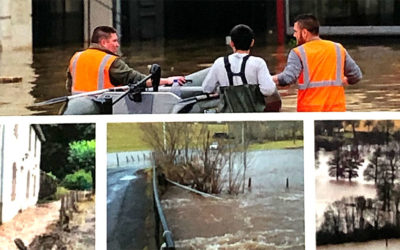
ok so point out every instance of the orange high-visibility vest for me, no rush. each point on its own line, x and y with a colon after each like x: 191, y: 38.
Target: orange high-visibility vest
x: 90, y: 70
x: 321, y: 80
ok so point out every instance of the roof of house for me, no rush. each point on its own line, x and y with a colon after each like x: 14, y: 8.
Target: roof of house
x: 39, y: 132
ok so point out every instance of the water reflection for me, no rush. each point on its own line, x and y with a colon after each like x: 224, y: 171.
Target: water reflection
x: 44, y: 77
x: 329, y: 190
x: 16, y: 96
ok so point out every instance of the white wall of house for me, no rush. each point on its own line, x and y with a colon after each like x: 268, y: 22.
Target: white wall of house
x: 15, y: 24
x: 96, y: 13
x: 20, y: 169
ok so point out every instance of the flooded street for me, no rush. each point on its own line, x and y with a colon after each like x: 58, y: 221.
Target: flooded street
x: 267, y: 216
x: 43, y: 71
x: 329, y: 190
x: 15, y: 97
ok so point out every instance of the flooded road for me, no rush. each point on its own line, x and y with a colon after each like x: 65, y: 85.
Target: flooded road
x: 43, y: 71
x: 267, y: 216
x: 130, y: 216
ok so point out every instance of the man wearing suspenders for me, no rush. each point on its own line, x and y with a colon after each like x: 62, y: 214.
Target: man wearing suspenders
x: 240, y: 69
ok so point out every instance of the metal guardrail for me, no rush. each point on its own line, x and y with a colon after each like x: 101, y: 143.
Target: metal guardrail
x: 160, y: 217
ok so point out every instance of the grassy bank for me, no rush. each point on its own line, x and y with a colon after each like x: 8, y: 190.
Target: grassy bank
x: 128, y: 137
x: 125, y: 137
x: 276, y: 145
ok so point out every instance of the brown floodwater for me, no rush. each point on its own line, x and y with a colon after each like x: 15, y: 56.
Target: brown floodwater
x: 329, y: 190
x: 268, y: 216
x: 43, y: 71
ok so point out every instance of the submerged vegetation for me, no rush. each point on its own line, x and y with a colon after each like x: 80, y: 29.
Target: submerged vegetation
x: 212, y: 157
x: 356, y: 219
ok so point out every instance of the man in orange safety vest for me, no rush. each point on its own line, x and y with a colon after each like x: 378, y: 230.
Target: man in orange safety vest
x: 321, y: 67
x: 100, y: 67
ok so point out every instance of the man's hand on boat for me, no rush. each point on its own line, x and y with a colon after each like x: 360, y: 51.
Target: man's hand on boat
x: 169, y: 80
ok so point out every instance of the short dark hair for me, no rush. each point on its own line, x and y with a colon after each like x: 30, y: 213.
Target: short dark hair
x: 241, y: 36
x: 308, y: 22
x: 102, y: 32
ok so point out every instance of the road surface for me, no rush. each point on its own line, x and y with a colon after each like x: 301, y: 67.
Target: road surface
x: 130, y: 217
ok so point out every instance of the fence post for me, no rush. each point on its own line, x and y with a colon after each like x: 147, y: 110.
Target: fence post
x: 62, y: 211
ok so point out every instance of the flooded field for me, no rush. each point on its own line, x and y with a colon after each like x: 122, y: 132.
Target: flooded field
x: 267, y: 216
x: 329, y: 190
x: 393, y: 244
x: 43, y: 71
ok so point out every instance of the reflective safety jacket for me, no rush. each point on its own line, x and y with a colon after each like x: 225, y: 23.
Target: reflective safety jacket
x: 321, y: 80
x: 90, y: 70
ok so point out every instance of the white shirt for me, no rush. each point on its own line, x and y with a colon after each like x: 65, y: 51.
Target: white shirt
x: 256, y: 72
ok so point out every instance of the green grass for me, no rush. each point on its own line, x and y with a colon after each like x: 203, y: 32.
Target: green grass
x: 276, y: 145
x: 125, y: 137
x: 128, y: 137
x: 61, y: 191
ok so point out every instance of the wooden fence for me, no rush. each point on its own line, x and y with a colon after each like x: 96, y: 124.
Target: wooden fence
x: 69, y: 206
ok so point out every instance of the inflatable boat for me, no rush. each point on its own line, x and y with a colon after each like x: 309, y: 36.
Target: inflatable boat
x: 136, y: 98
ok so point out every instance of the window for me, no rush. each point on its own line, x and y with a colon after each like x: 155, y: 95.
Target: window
x: 34, y: 185
x: 30, y: 139
x: 14, y: 182
x: 16, y: 131
x: 36, y: 139
x: 28, y: 179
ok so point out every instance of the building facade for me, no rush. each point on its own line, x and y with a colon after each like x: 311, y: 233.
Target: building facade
x: 348, y: 17
x: 20, y: 147
x: 57, y: 22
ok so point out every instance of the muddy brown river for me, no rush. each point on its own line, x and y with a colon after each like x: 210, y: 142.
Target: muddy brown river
x: 267, y: 216
x: 43, y: 70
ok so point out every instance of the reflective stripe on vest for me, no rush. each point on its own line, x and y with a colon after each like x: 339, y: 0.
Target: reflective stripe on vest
x: 100, y: 78
x: 306, y: 72
x: 320, y: 81
x: 73, y: 69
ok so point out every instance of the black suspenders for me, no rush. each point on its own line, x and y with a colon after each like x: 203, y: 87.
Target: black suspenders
x: 231, y: 74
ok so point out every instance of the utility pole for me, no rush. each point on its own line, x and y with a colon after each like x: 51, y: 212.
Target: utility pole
x: 244, y: 158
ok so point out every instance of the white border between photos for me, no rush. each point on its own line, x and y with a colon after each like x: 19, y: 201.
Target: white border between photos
x: 101, y: 150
